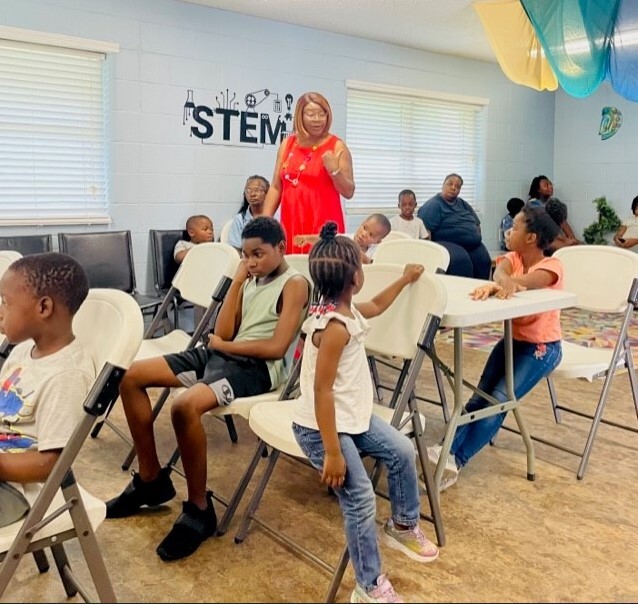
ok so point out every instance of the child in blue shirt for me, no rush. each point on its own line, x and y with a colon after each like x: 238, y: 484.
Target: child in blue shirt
x: 514, y: 206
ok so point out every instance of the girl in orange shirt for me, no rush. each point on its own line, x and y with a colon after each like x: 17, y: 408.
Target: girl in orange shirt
x: 536, y: 338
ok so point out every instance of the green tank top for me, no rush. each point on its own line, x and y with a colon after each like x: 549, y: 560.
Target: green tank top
x: 259, y: 318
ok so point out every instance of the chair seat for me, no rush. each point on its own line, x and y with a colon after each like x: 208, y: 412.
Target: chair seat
x: 95, y: 508
x: 173, y: 341
x: 241, y: 406
x: 272, y: 423
x: 582, y: 362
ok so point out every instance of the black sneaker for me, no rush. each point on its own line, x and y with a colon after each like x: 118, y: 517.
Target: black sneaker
x: 191, y: 529
x: 138, y: 493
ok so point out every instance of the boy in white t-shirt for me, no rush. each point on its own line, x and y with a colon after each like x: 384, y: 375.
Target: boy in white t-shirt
x: 368, y: 236
x: 406, y: 221
x: 199, y: 229
x: 45, y: 379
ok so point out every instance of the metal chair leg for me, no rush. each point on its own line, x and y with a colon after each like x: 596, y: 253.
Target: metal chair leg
x: 554, y: 399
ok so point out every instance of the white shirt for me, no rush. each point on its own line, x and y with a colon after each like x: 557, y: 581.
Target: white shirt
x: 41, y: 399
x: 352, y: 389
x: 632, y: 227
x: 415, y: 227
x: 182, y: 245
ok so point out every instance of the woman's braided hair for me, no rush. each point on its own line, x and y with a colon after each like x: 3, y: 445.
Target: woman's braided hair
x: 334, y: 260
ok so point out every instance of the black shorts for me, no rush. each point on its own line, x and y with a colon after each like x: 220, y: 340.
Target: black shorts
x: 228, y: 376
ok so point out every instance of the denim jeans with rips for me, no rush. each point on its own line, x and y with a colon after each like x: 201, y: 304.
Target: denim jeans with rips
x: 356, y: 497
x: 532, y: 363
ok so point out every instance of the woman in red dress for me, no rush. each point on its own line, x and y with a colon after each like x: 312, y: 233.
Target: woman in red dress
x: 313, y: 171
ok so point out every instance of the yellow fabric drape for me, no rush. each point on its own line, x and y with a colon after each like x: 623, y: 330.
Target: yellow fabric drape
x: 514, y: 42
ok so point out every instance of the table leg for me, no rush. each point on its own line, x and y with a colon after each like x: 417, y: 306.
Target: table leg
x: 509, y: 383
x: 458, y: 406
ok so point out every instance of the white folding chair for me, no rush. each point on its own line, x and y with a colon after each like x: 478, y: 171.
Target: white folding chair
x: 395, y: 235
x: 242, y: 406
x: 406, y: 330
x: 435, y: 258
x: 223, y: 234
x: 109, y: 325
x: 203, y: 280
x: 605, y: 279
x: 7, y: 258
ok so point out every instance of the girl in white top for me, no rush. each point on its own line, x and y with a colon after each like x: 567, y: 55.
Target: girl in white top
x: 333, y: 421
x: 627, y: 235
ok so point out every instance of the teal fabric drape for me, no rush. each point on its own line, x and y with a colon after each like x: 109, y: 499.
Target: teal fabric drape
x: 576, y: 36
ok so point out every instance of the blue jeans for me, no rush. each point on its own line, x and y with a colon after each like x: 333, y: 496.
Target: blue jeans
x: 532, y: 362
x: 356, y: 497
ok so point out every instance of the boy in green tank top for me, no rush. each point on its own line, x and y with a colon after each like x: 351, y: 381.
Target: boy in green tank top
x: 247, y: 354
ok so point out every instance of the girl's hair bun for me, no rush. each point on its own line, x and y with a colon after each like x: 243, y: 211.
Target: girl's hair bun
x: 328, y: 231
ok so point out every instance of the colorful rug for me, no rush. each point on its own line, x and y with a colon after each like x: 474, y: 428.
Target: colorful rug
x: 580, y: 327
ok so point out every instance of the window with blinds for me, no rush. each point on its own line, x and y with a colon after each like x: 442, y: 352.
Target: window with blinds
x: 53, y: 144
x: 407, y: 139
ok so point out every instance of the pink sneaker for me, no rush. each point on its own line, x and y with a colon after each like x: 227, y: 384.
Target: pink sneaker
x: 383, y: 592
x: 412, y: 542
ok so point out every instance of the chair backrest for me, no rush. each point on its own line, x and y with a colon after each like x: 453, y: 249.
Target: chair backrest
x: 164, y: 265
x: 107, y: 257
x: 27, y: 244
x: 300, y: 263
x: 203, y: 269
x: 600, y: 275
x: 397, y: 331
x: 223, y: 234
x: 394, y: 235
x: 432, y: 256
x: 7, y: 258
x: 110, y: 326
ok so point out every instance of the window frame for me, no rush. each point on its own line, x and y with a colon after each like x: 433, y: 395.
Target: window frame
x: 76, y: 216
x: 356, y: 209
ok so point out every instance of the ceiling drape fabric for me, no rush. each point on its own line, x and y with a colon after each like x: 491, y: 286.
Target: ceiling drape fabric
x: 515, y: 44
x: 575, y: 43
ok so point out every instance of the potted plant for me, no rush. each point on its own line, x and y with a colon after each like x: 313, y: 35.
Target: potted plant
x: 608, y: 221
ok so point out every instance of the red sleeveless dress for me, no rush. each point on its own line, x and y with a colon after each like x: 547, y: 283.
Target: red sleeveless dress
x: 308, y: 195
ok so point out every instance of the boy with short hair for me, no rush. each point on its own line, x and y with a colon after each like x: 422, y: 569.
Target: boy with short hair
x: 406, y: 221
x: 248, y: 354
x: 369, y: 234
x: 514, y: 206
x: 46, y: 377
x: 199, y: 229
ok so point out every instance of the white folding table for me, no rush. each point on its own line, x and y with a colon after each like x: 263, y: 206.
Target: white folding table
x: 461, y: 312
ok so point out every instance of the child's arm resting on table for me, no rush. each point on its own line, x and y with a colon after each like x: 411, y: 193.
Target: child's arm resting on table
x: 383, y: 299
x: 505, y: 286
x: 294, y: 298
x: 304, y: 240
x: 333, y: 340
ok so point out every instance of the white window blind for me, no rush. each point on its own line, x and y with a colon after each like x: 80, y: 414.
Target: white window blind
x: 401, y: 139
x: 53, y: 158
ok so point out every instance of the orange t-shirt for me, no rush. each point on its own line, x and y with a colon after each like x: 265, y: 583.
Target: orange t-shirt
x: 545, y: 326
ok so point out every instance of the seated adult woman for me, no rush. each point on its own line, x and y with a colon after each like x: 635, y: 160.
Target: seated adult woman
x: 541, y: 190
x: 453, y: 223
